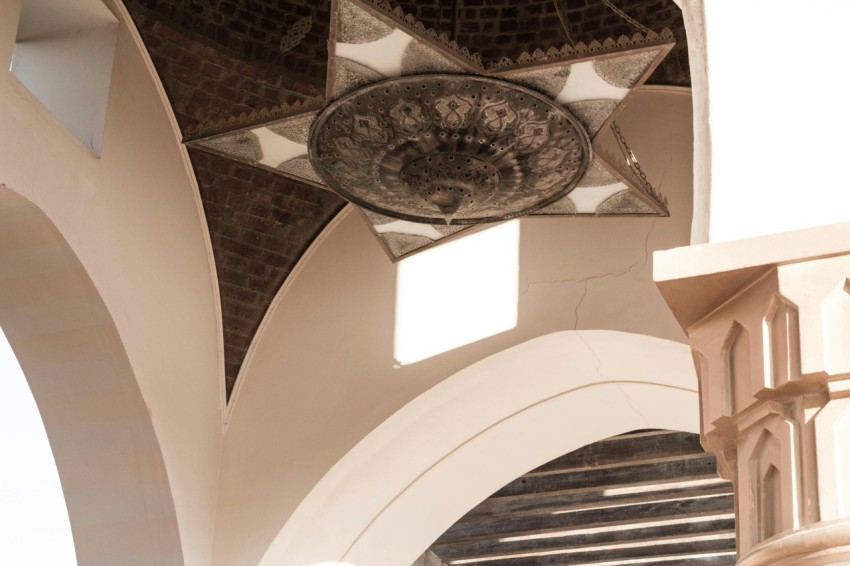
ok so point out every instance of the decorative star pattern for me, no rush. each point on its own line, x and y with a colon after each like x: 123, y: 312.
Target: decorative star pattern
x: 372, y: 42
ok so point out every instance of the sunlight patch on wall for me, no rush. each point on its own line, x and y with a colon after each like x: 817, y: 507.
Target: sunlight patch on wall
x: 34, y: 525
x: 457, y: 293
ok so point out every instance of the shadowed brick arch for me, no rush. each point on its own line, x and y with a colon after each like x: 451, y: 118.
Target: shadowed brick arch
x: 260, y: 224
x: 220, y: 59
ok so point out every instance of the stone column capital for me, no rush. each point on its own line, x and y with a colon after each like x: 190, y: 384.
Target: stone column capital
x: 768, y: 319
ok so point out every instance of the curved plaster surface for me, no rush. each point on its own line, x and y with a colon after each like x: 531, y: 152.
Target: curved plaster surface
x: 133, y: 219
x: 321, y: 375
x: 113, y: 476
x: 440, y: 455
x: 694, y: 18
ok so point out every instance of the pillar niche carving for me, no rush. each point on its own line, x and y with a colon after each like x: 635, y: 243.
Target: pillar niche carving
x: 772, y: 353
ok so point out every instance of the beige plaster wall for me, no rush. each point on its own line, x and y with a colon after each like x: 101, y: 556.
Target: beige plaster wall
x: 133, y: 219
x: 321, y: 374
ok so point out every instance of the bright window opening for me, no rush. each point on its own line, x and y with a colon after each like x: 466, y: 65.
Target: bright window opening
x: 34, y: 525
x: 759, y: 185
x: 457, y: 293
x: 63, y: 55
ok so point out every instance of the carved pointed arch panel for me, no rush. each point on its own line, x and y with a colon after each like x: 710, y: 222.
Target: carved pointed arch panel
x: 736, y: 377
x: 769, y: 467
x: 765, y: 483
x: 782, y: 343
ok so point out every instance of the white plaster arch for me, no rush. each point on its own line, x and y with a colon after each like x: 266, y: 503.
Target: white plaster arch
x: 694, y: 18
x: 133, y: 220
x: 112, y: 471
x: 419, y: 471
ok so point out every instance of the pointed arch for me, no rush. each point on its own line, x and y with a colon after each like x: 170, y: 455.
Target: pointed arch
x: 107, y: 453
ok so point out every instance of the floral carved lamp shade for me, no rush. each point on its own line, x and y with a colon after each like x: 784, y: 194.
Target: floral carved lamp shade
x: 427, y: 141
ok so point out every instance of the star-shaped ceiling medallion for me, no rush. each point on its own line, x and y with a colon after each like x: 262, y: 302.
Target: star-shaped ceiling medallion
x: 428, y: 142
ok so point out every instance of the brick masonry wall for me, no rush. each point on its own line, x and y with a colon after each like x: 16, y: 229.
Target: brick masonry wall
x: 205, y: 83
x: 256, y: 31
x: 506, y: 28
x: 260, y: 224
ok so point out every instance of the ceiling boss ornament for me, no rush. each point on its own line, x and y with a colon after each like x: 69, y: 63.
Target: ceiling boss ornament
x: 426, y: 140
x: 449, y: 148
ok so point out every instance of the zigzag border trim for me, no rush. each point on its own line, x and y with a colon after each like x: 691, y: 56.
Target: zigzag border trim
x: 246, y: 120
x: 407, y: 20
x: 553, y: 54
x: 581, y: 49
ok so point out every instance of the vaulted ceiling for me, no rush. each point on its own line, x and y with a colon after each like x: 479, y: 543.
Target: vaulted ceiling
x: 227, y: 60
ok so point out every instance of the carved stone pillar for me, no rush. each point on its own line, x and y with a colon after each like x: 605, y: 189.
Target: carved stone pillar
x: 769, y: 322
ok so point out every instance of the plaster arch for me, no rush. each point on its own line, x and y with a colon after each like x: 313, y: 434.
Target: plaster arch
x: 134, y: 222
x: 418, y: 472
x: 106, y: 450
x: 694, y: 18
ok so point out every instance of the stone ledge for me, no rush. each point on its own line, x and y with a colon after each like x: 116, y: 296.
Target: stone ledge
x: 694, y: 280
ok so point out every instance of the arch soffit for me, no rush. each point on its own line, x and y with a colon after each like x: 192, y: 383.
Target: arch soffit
x: 145, y: 56
x: 100, y: 431
x: 474, y: 432
x: 693, y: 15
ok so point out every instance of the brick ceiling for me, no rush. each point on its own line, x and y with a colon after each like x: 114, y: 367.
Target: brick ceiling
x: 506, y: 28
x: 219, y: 59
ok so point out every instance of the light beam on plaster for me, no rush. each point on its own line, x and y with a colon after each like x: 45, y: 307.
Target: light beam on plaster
x: 458, y: 293
x: 604, y: 547
x: 641, y: 489
x: 617, y: 528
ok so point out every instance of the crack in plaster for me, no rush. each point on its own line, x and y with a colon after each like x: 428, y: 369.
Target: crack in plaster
x: 595, y: 357
x: 631, y: 405
x: 578, y: 306
x: 639, y: 265
x: 613, y: 382
x: 666, y: 168
x: 636, y: 265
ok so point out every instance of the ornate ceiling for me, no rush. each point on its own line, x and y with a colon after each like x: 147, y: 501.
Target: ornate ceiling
x: 229, y: 65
